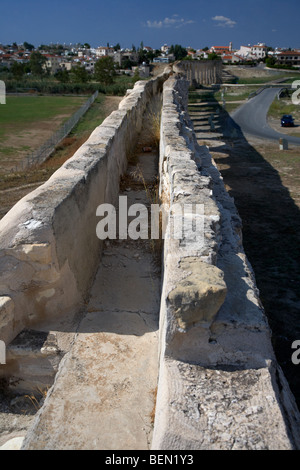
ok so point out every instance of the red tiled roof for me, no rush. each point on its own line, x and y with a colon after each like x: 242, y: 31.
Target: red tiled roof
x: 289, y: 53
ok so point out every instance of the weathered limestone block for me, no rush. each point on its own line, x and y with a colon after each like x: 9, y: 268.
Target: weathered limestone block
x: 32, y: 361
x: 37, y: 252
x: 6, y: 312
x: 198, y: 297
x: 222, y: 408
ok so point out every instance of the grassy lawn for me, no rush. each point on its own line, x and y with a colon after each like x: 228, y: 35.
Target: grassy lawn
x: 267, y: 78
x: 25, y: 110
x: 13, y: 186
x: 26, y: 122
x: 284, y: 106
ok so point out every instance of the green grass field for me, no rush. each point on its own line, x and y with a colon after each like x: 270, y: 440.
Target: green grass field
x: 284, y: 106
x: 26, y: 122
x: 21, y: 183
x: 268, y: 78
x: 30, y: 109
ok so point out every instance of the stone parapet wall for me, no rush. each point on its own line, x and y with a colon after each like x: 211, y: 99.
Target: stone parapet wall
x: 220, y: 386
x: 200, y: 72
x: 49, y: 251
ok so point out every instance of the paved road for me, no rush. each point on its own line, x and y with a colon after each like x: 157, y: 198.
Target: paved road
x: 251, y: 118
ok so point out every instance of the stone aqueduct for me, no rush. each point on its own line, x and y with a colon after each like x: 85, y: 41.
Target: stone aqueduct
x: 219, y: 384
x: 200, y: 73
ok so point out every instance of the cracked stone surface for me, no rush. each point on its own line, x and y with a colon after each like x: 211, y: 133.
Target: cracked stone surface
x: 222, y: 408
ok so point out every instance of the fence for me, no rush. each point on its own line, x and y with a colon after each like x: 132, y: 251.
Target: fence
x: 42, y: 153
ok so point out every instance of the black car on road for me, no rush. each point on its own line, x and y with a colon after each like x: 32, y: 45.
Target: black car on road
x: 287, y: 121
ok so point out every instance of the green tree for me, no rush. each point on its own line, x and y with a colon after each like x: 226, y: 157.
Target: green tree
x: 105, y: 70
x: 270, y: 61
x: 36, y: 63
x: 127, y: 64
x: 150, y: 56
x: 136, y: 76
x: 142, y: 56
x: 62, y: 76
x: 17, y: 69
x: 178, y: 51
x: 79, y: 74
x: 213, y: 56
x: 28, y: 46
x: 43, y: 47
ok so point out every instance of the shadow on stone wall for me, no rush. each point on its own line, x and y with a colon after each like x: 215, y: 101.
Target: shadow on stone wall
x: 271, y: 230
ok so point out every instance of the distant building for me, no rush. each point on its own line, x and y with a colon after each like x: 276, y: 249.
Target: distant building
x: 202, y: 54
x: 144, y: 70
x: 162, y: 60
x: 89, y: 65
x: 104, y: 51
x: 231, y: 59
x: 66, y: 65
x: 52, y: 63
x: 245, y: 52
x: 291, y: 58
x: 164, y: 49
x: 259, y: 51
x: 220, y: 49
x: 120, y: 56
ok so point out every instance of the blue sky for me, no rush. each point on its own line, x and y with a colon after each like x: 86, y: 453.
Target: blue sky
x: 194, y: 23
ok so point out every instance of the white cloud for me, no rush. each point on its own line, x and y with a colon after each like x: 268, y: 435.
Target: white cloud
x: 175, y: 21
x: 224, y: 21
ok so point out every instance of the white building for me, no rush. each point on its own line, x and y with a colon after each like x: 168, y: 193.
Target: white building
x: 259, y: 50
x: 104, y: 51
x: 231, y: 59
x: 202, y: 54
x: 164, y: 49
x: 245, y: 52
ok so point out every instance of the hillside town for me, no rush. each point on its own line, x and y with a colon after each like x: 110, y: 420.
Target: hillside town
x: 59, y: 58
